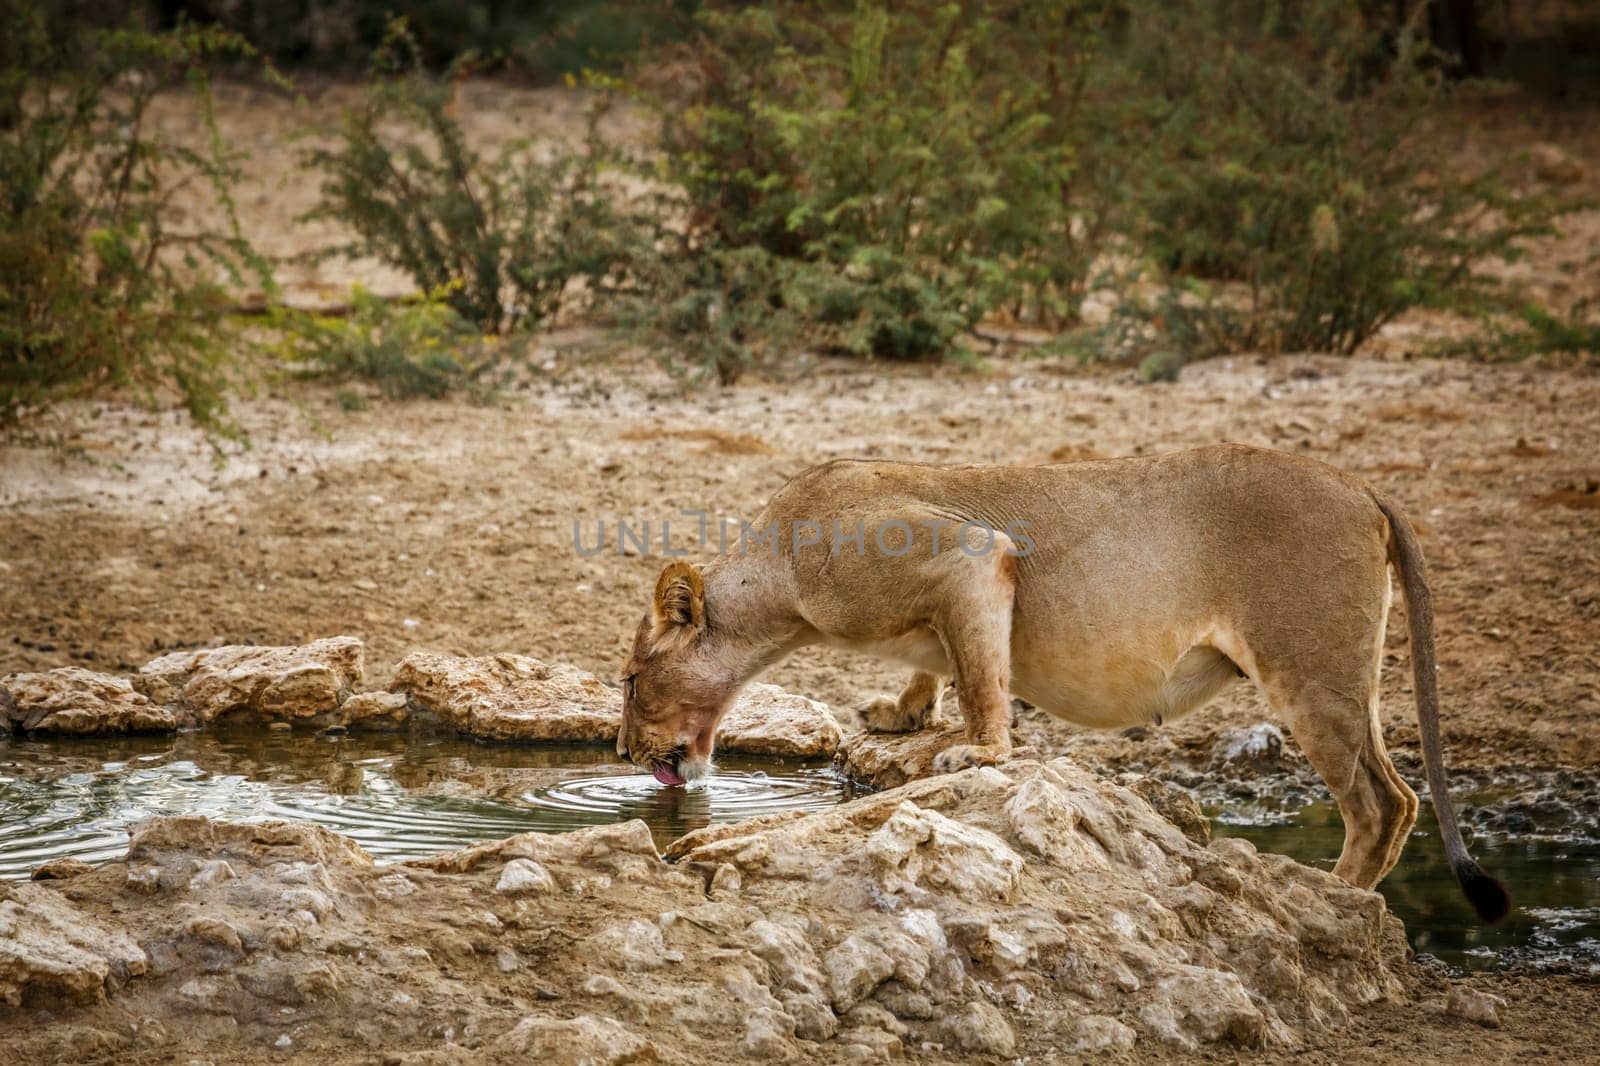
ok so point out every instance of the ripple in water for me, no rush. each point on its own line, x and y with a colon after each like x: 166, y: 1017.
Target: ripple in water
x: 399, y: 797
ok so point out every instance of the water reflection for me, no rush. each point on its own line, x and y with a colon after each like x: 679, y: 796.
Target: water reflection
x: 1553, y: 874
x: 399, y: 796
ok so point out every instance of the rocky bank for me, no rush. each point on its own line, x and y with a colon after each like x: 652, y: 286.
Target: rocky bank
x: 1028, y: 910
x: 493, y: 697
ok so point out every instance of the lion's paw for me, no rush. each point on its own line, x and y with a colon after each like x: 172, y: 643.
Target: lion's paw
x: 885, y: 715
x: 961, y: 756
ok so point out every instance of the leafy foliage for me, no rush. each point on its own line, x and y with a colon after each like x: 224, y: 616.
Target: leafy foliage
x: 920, y: 168
x: 1532, y: 330
x: 505, y: 238
x: 1293, y: 203
x: 100, y: 288
x: 408, y: 348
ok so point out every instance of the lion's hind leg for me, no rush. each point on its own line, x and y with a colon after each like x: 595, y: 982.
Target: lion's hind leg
x: 917, y: 706
x: 1340, y: 734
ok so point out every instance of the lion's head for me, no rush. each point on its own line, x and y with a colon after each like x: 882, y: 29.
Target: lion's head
x: 674, y: 690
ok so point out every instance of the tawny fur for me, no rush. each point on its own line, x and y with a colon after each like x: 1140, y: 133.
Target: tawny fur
x: 1146, y: 587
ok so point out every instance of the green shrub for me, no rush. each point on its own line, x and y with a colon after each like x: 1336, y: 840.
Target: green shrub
x: 505, y: 238
x: 711, y: 313
x: 408, y: 348
x: 1293, y: 200
x: 99, y: 286
x: 1531, y: 330
x: 920, y: 167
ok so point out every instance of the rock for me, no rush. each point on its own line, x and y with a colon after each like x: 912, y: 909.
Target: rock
x: 766, y: 720
x: 635, y: 945
x: 889, y: 760
x: 292, y: 684
x: 581, y: 1041
x: 617, y: 847
x: 788, y: 954
x: 1475, y: 1005
x: 52, y: 950
x: 767, y: 1035
x: 726, y: 880
x: 394, y: 886
x: 60, y: 869
x: 1033, y: 870
x: 1195, y: 1004
x: 1096, y: 1032
x: 1259, y: 747
x: 523, y: 876
x: 854, y: 968
x: 211, y: 873
x: 172, y: 843
x: 981, y: 913
x: 513, y: 697
x: 375, y: 711
x: 1172, y: 803
x: 78, y: 702
x: 922, y: 847
x: 978, y: 1028
x: 214, y: 933
x: 1555, y: 165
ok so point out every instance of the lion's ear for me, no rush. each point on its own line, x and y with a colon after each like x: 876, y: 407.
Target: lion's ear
x: 680, y: 603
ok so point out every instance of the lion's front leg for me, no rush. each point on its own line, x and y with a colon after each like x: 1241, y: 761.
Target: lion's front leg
x: 975, y: 627
x: 917, y: 706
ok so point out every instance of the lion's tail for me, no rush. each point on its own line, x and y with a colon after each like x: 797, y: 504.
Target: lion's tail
x: 1487, y: 895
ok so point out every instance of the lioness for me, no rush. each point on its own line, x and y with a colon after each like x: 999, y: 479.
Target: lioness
x: 1109, y: 593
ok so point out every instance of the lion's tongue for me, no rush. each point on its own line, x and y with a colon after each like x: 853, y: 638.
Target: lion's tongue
x: 665, y: 775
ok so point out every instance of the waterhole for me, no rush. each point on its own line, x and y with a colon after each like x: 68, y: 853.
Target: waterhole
x: 405, y: 797
x: 400, y: 797
x: 1540, y: 838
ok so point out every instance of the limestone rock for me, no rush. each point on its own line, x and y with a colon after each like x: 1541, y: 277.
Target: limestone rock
x: 60, y: 869
x: 978, y: 1028
x: 510, y: 697
x: 984, y: 912
x: 1475, y: 1005
x: 524, y: 876
x: 582, y: 1041
x: 1195, y: 1004
x: 766, y: 720
x: 616, y: 847
x: 635, y: 945
x: 922, y: 847
x: 889, y: 760
x: 1028, y: 871
x: 855, y: 967
x: 274, y: 684
x: 50, y: 949
x: 1096, y: 1032
x: 374, y: 710
x: 513, y: 697
x: 1258, y: 747
x: 1172, y: 803
x: 79, y: 702
x: 180, y: 844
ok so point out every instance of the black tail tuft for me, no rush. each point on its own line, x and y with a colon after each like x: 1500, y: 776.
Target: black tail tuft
x: 1487, y: 896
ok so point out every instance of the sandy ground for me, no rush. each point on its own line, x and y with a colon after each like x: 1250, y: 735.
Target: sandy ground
x: 449, y: 525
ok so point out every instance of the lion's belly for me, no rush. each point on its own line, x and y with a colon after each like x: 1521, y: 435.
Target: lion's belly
x: 1122, y: 679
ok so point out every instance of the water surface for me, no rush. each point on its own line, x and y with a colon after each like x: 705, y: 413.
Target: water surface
x: 399, y: 796
x: 1550, y: 864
